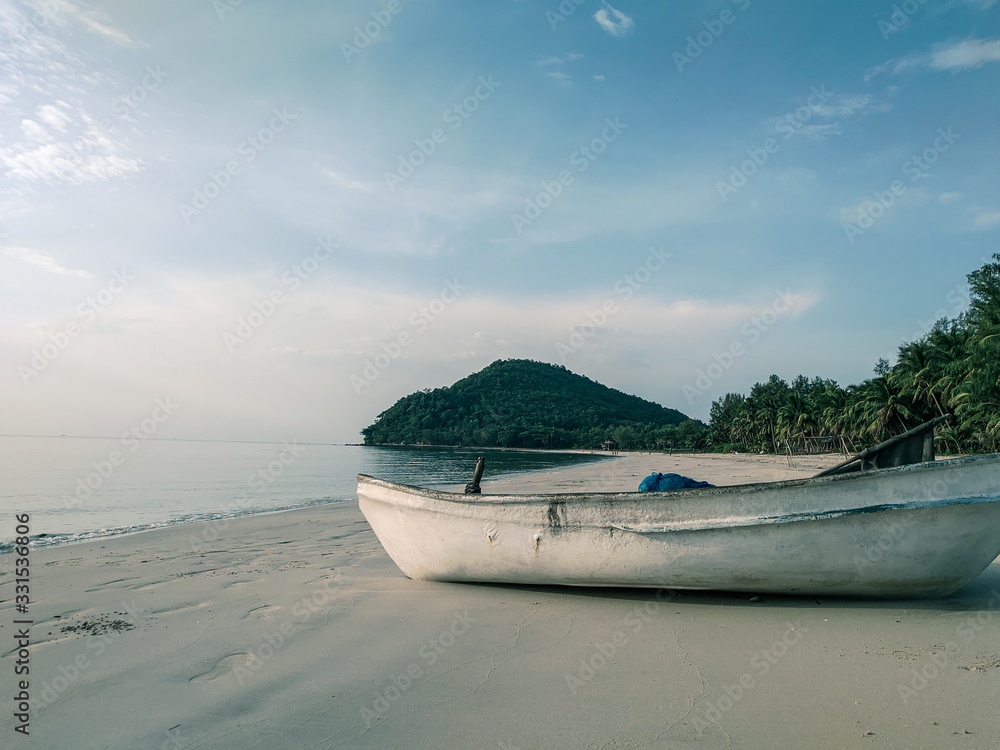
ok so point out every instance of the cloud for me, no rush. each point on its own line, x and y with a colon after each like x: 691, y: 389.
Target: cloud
x: 613, y: 20
x: 971, y: 53
x: 48, y: 91
x: 347, y: 183
x: 825, y: 118
x: 54, y: 115
x: 599, y: 78
x: 46, y: 263
x: 554, y: 60
x: 848, y: 105
x: 34, y: 132
x: 301, y: 359
x: 987, y: 219
x: 95, y: 21
x: 90, y: 156
x: 561, y: 78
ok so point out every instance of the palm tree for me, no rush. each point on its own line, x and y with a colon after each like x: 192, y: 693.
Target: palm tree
x: 831, y: 408
x: 879, y: 410
x: 916, y: 375
x: 793, y: 417
x: 768, y: 398
x: 723, y: 415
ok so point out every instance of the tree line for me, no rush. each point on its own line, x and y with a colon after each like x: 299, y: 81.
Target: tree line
x: 952, y: 369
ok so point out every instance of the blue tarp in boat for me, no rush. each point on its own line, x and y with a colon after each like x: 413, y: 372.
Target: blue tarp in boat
x: 668, y: 482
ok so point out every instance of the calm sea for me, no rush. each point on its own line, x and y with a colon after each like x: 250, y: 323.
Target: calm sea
x: 78, y: 488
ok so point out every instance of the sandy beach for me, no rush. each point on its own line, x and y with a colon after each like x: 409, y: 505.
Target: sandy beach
x: 295, y: 630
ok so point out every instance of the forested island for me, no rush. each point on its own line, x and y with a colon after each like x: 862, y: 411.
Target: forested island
x: 519, y: 403
x: 952, y: 369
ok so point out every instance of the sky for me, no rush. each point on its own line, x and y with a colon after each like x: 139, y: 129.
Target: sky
x: 253, y: 220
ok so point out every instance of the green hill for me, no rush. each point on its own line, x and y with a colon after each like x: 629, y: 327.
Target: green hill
x: 525, y: 404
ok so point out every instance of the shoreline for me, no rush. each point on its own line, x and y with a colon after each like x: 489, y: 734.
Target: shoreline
x: 78, y: 527
x: 582, y: 477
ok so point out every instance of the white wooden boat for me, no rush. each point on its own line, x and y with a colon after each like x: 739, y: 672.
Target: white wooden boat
x: 919, y: 530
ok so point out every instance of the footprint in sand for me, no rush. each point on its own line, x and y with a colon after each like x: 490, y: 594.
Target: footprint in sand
x: 262, y: 611
x: 243, y: 583
x: 223, y: 667
x: 187, y: 607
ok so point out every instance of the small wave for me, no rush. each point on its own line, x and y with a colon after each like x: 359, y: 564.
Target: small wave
x: 52, y: 540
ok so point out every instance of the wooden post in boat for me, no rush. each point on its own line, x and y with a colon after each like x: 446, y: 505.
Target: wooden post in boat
x: 913, y: 446
x: 473, y: 487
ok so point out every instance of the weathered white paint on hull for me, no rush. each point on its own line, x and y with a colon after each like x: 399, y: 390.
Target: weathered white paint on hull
x: 913, y: 531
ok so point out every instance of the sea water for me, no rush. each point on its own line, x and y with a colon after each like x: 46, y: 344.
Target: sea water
x: 79, y: 488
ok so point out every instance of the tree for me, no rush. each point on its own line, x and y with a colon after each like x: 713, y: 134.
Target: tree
x: 722, y: 418
x: 768, y: 398
x: 978, y: 397
x: 878, y: 409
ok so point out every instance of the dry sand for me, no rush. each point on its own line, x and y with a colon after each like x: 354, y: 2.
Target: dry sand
x: 295, y: 630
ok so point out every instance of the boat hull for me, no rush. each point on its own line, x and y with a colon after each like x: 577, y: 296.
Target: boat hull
x: 923, y: 530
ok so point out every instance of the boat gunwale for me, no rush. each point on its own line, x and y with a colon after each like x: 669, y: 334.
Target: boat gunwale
x: 533, y: 498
